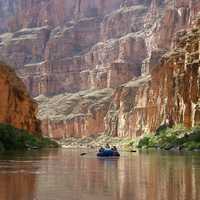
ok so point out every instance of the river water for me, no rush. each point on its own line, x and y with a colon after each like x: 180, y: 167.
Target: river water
x: 65, y: 175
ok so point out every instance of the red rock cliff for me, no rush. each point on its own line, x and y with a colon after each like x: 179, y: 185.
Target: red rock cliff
x: 77, y: 115
x: 170, y: 92
x: 16, y: 106
x: 68, y: 46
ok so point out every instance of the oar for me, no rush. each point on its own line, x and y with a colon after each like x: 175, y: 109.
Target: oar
x: 84, y: 153
x: 133, y: 151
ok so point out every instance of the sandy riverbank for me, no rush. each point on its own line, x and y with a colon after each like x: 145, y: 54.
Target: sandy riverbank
x: 95, y: 142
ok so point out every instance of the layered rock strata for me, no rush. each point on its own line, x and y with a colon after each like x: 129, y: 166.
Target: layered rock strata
x: 76, y: 115
x: 68, y: 46
x: 170, y: 92
x: 16, y: 106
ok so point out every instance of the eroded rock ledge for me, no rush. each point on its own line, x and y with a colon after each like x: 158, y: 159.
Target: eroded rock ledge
x: 74, y: 115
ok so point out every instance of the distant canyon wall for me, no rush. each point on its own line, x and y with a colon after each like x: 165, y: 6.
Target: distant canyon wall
x: 170, y: 91
x: 68, y: 46
x: 61, y: 47
x: 74, y: 115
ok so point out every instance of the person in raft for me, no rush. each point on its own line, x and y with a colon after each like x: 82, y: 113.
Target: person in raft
x: 101, y: 149
x: 114, y: 148
x: 107, y: 146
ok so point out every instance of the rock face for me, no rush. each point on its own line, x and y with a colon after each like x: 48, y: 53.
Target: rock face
x: 170, y: 92
x: 17, y: 14
x: 78, y: 115
x: 67, y: 46
x: 16, y: 106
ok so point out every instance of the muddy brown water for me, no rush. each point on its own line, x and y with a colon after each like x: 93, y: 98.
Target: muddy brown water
x: 65, y: 175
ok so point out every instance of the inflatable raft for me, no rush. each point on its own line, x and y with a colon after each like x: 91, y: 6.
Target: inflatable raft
x: 108, y: 153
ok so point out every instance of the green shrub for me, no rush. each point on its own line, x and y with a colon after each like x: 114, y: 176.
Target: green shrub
x: 167, y: 139
x: 1, y: 147
x: 192, y: 145
x: 12, y: 138
x: 195, y: 135
x: 130, y: 145
x: 176, y: 137
x: 147, y: 142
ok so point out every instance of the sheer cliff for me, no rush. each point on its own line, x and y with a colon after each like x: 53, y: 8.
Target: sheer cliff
x: 16, y: 106
x: 68, y: 46
x: 170, y: 92
x: 63, y: 47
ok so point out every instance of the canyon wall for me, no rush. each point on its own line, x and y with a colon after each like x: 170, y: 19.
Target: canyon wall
x: 171, y: 92
x: 63, y: 47
x: 67, y: 46
x: 16, y: 106
x: 76, y: 115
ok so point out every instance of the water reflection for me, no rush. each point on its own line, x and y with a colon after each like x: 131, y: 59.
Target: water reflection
x: 65, y: 175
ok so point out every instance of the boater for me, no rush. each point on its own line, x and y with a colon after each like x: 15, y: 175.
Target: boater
x: 101, y: 149
x: 114, y: 148
x: 107, y: 146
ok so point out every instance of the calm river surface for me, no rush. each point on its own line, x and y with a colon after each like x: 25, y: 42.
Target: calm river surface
x: 65, y: 175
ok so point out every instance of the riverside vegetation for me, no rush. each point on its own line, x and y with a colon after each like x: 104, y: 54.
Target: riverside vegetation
x: 12, y: 138
x: 176, y: 138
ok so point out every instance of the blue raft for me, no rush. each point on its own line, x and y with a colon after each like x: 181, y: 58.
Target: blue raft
x: 108, y: 153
